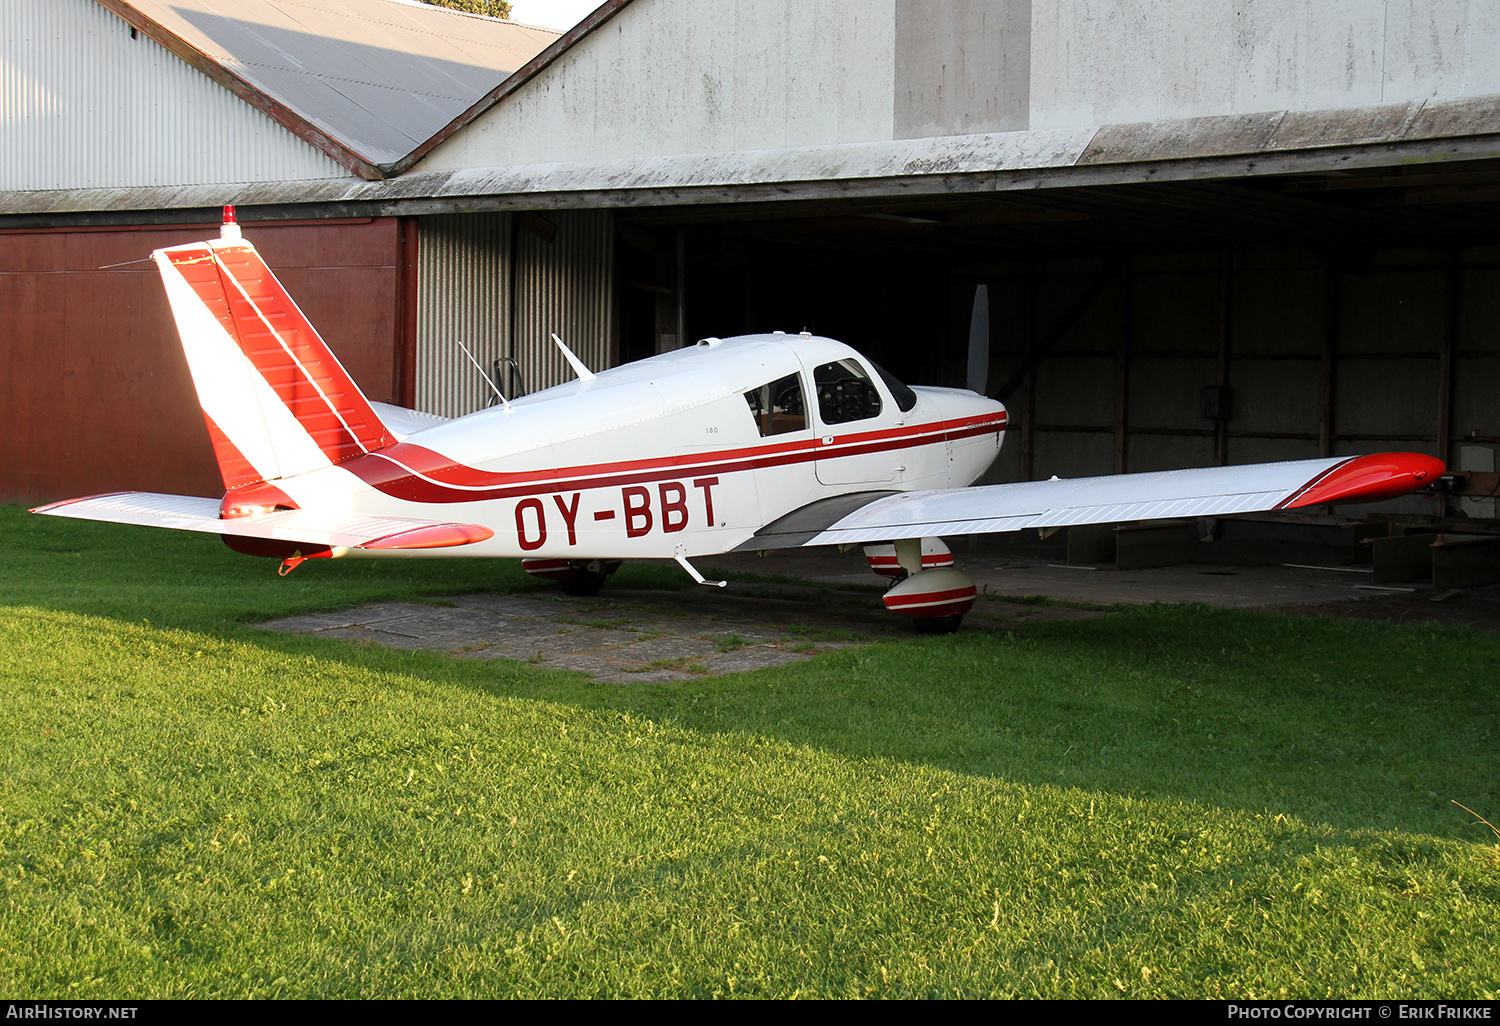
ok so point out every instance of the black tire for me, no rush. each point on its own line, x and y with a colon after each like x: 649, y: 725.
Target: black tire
x: 583, y: 583
x: 939, y: 624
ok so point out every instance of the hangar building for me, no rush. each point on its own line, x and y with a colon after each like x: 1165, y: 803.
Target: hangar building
x: 1208, y: 233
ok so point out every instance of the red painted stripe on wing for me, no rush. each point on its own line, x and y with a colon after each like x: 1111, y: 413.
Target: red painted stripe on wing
x: 418, y: 474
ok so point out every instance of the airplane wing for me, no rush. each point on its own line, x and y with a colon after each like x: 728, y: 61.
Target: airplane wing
x: 1207, y: 492
x: 307, y: 527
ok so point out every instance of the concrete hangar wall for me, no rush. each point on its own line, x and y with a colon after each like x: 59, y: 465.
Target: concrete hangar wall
x: 1210, y: 233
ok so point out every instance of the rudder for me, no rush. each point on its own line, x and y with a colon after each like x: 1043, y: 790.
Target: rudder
x: 277, y: 401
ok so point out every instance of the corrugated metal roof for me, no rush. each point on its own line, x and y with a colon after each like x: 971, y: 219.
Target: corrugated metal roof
x: 368, y: 81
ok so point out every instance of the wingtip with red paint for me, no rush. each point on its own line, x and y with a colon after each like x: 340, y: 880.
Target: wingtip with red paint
x: 1386, y: 475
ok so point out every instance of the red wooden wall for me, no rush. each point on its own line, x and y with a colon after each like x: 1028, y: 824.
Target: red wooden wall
x: 94, y: 391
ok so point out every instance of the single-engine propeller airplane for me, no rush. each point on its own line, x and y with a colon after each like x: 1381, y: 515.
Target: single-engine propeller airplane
x: 750, y: 443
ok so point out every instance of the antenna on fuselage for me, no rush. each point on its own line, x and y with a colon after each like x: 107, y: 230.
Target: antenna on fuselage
x: 493, y: 387
x: 584, y: 374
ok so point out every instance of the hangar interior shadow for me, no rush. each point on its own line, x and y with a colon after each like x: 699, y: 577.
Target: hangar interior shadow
x: 1131, y: 327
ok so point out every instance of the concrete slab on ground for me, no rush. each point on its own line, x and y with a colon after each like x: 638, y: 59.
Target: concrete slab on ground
x: 815, y: 601
x: 623, y: 636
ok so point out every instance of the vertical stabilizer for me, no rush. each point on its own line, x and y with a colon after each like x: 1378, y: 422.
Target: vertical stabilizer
x: 277, y: 401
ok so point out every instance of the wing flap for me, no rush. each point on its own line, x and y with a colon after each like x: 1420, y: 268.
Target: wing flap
x: 309, y: 527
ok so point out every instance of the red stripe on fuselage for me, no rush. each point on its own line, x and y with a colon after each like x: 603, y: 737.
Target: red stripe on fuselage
x: 418, y: 474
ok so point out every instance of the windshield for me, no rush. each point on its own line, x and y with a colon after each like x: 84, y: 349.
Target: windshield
x: 904, y: 396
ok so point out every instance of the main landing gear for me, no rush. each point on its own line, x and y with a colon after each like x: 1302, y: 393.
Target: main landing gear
x: 924, y: 586
x: 578, y: 577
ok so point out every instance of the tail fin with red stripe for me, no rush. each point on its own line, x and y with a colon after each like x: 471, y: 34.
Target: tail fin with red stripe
x: 277, y: 401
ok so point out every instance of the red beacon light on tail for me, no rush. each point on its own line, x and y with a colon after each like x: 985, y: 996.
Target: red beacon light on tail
x: 230, y: 229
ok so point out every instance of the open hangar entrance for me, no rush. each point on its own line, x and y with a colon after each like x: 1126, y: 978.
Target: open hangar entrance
x: 1134, y: 327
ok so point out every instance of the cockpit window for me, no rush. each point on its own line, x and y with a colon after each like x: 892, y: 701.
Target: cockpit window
x: 904, y: 396
x: 845, y: 393
x: 777, y: 407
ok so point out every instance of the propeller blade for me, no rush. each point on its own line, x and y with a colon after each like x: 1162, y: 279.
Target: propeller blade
x: 979, y: 340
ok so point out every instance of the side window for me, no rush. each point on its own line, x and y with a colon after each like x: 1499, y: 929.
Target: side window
x: 777, y: 407
x: 845, y: 393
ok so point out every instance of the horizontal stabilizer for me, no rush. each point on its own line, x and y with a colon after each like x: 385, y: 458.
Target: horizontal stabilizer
x: 1205, y: 492
x: 307, y: 527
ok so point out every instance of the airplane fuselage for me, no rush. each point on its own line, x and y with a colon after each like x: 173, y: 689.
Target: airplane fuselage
x: 685, y: 454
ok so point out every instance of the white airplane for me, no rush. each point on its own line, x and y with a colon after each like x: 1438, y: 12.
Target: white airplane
x: 751, y: 443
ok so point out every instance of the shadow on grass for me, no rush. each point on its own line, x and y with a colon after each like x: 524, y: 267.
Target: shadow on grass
x: 1354, y: 725
x: 192, y: 580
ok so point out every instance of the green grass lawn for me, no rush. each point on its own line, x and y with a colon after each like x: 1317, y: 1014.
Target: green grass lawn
x: 1171, y: 801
